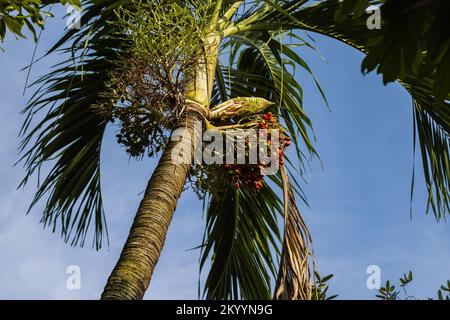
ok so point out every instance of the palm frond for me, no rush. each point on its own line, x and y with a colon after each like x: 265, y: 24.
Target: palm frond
x: 260, y: 69
x: 242, y: 240
x: 432, y: 113
x: 240, y: 237
x: 66, y: 140
x: 294, y: 278
x: 260, y: 64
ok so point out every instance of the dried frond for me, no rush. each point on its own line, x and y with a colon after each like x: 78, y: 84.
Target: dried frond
x: 294, y: 276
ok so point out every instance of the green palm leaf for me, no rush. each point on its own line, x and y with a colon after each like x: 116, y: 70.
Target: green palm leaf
x: 66, y: 142
x: 258, y: 66
x: 241, y: 233
x: 432, y: 118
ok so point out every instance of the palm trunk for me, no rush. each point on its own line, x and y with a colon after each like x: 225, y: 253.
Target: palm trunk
x: 131, y: 276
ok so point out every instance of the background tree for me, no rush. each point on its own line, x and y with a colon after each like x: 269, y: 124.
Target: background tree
x: 16, y: 14
x: 235, y: 49
x: 412, y: 47
x: 389, y: 291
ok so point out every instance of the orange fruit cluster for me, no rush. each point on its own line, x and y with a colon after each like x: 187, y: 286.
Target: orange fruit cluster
x: 267, y: 120
x: 251, y: 173
x: 285, y: 141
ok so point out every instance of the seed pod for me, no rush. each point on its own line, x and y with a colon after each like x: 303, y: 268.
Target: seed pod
x: 239, y: 107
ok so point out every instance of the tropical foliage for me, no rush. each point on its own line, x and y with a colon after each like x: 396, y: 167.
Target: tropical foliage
x: 16, y: 14
x: 255, y: 57
x: 411, y: 47
x: 320, y: 288
x: 390, y: 292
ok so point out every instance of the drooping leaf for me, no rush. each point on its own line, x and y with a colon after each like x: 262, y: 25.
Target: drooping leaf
x: 65, y: 142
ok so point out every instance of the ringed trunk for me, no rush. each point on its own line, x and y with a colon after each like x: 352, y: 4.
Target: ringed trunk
x: 132, y: 274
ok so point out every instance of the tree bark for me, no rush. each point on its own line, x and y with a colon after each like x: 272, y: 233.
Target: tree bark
x: 131, y: 276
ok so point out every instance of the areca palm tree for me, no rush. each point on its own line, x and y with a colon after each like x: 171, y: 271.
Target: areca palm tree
x: 222, y: 63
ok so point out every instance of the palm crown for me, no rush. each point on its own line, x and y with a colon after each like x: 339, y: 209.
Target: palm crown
x: 246, y: 49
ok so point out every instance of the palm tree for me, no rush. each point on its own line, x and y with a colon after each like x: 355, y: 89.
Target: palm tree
x: 240, y: 56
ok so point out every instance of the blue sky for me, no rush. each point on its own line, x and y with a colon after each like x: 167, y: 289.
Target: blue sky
x: 359, y: 200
